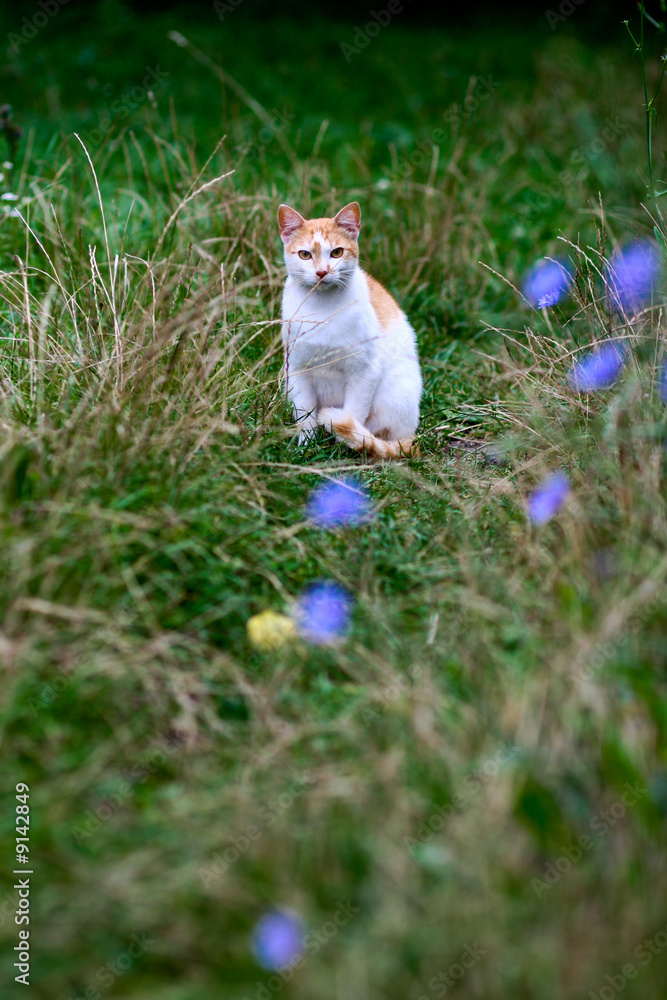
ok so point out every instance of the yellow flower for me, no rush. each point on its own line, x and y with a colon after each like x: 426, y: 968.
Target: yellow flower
x: 269, y: 630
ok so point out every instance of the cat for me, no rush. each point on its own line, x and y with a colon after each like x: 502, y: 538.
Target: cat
x: 350, y: 353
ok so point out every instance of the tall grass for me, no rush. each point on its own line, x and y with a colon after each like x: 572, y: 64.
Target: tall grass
x: 502, y: 683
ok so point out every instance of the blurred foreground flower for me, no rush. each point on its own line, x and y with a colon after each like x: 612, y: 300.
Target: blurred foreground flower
x: 633, y: 271
x: 663, y: 384
x: 548, y: 498
x: 598, y: 369
x: 548, y: 282
x: 323, y: 612
x: 278, y: 938
x: 342, y: 502
x: 269, y: 630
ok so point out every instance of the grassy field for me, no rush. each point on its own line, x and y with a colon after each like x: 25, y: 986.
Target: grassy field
x: 502, y: 691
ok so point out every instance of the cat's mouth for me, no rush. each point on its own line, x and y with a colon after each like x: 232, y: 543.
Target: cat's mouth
x: 326, y: 283
x: 326, y: 280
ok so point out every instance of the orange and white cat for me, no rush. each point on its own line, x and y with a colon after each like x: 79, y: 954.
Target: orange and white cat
x: 350, y: 352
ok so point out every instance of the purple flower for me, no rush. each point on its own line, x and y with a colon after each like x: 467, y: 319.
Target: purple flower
x: 663, y: 384
x: 278, y: 938
x: 344, y: 501
x: 548, y: 498
x: 633, y: 272
x: 548, y: 282
x: 599, y: 368
x: 323, y: 612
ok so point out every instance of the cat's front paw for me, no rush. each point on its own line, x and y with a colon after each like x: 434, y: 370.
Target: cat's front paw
x: 307, y: 430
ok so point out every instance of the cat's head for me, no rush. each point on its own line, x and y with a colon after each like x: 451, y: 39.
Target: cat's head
x: 321, y: 253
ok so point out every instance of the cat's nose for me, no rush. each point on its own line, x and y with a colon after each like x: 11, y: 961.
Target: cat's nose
x: 321, y: 274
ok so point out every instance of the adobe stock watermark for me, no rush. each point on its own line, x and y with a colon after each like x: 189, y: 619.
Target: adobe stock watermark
x: 645, y: 952
x: 32, y: 25
x: 443, y: 981
x: 473, y: 783
x: 108, y: 973
x: 481, y: 92
x: 312, y: 943
x: 140, y: 773
x: 383, y: 699
x: 120, y: 109
x: 49, y: 691
x: 280, y: 120
x: 267, y: 815
x: 223, y: 8
x: 363, y: 35
x: 600, y: 824
x: 455, y: 116
x: 611, y: 647
x: 577, y: 171
x: 565, y: 10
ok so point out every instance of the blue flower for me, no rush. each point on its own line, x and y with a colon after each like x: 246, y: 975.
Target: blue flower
x: 599, y: 368
x: 278, y: 938
x: 548, y: 498
x: 548, y: 282
x: 344, y: 501
x: 663, y: 384
x: 633, y: 271
x: 323, y: 612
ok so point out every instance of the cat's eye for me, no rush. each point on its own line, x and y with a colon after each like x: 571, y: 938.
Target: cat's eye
x: 337, y: 252
x: 305, y: 254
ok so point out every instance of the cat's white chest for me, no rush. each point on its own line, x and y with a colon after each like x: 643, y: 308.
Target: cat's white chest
x: 329, y: 332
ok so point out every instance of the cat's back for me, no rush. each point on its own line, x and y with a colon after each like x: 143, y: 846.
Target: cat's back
x: 390, y: 316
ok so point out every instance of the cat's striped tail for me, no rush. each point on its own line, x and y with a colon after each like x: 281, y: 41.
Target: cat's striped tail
x: 348, y: 430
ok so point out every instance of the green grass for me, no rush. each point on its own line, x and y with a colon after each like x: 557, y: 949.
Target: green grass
x: 152, y: 499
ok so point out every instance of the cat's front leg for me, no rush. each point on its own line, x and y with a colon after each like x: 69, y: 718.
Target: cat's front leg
x: 354, y: 412
x: 307, y: 430
x: 303, y: 397
x: 359, y: 395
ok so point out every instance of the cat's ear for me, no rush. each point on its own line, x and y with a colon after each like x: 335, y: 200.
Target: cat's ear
x: 289, y: 221
x: 349, y: 219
